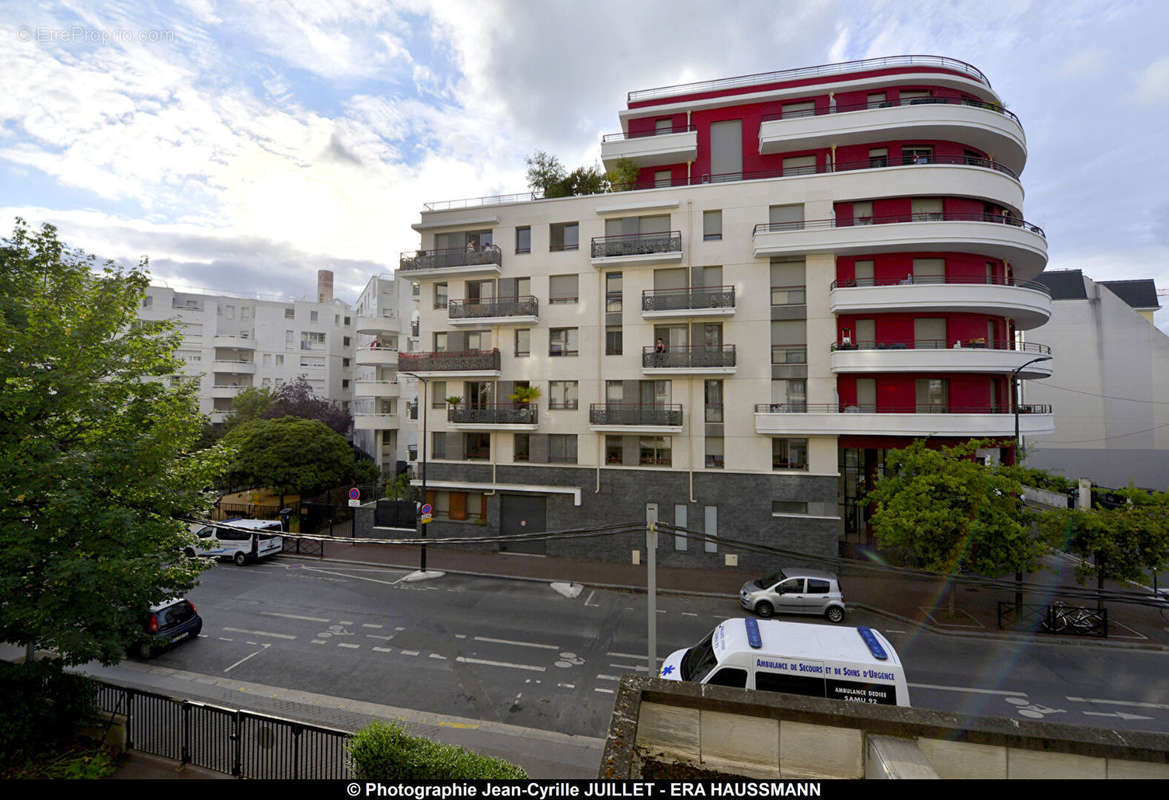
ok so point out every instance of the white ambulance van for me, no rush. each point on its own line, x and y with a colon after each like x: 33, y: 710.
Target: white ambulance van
x: 241, y: 540
x: 857, y: 665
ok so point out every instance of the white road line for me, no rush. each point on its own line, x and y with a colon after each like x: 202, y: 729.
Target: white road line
x: 292, y: 616
x: 966, y: 689
x: 347, y: 645
x: 457, y: 635
x: 589, y: 600
x: 409, y: 652
x: 319, y: 641
x: 689, y: 614
x: 370, y: 625
x: 1133, y: 703
x: 261, y: 633
x: 631, y: 668
x: 567, y: 685
x: 517, y: 644
x: 224, y: 639
x: 253, y: 644
x: 608, y: 678
x: 439, y: 657
x: 399, y: 628
x: 345, y: 622
x: 354, y: 577
x: 379, y: 636
x: 465, y: 660
x: 660, y: 611
x: 383, y: 650
x: 605, y: 691
x: 633, y: 655
x: 245, y: 658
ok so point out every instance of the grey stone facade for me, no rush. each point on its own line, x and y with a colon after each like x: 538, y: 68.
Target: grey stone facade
x: 743, y: 502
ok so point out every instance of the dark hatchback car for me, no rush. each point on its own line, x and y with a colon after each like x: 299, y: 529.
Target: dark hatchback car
x: 168, y: 624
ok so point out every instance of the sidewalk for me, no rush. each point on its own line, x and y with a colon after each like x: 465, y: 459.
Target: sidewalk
x: 143, y: 767
x: 922, y: 603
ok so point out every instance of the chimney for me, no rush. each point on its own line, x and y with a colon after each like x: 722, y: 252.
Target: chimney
x: 324, y: 286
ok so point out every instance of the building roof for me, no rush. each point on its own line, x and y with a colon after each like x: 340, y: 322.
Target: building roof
x: 1140, y: 294
x: 1064, y: 284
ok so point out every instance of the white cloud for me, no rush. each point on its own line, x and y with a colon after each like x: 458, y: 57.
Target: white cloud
x: 1153, y: 83
x: 1084, y: 64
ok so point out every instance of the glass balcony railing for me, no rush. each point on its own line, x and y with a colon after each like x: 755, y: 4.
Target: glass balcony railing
x: 417, y: 260
x: 648, y: 414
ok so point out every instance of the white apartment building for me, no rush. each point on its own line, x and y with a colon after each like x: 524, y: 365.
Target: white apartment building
x: 814, y: 267
x: 384, y: 398
x: 1111, y: 398
x: 232, y: 343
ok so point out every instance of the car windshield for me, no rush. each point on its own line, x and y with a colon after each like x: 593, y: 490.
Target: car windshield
x: 770, y: 580
x: 699, y: 660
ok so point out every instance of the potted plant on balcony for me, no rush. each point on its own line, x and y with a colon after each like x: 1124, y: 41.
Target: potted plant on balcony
x: 453, y: 400
x: 524, y: 396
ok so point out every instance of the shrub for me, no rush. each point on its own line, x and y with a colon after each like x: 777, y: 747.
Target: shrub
x: 386, y: 752
x: 40, y: 704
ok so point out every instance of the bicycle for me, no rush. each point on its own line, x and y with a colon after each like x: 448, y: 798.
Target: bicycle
x: 1060, y: 617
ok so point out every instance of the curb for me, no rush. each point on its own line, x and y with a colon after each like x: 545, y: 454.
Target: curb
x: 986, y: 636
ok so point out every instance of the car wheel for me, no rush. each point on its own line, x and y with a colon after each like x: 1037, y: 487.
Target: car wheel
x: 189, y: 553
x: 240, y: 559
x: 195, y: 633
x: 835, y: 614
x: 764, y: 609
x: 145, y: 651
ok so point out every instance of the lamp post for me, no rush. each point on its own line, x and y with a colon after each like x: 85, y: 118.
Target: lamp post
x: 1015, y: 381
x: 422, y: 455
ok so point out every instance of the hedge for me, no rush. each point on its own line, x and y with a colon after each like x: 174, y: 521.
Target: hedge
x: 386, y: 752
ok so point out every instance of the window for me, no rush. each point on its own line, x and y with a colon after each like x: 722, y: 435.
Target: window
x: 562, y: 394
x: 726, y: 150
x: 440, y: 295
x: 654, y: 451
x: 562, y: 448
x: 613, y: 281
x: 729, y: 676
x: 878, y: 157
x: 789, y: 454
x: 927, y: 209
x: 799, y: 165
x: 521, y: 450
x: 478, y: 446
x: 344, y: 362
x: 440, y: 339
x: 929, y: 333
x: 714, y: 452
x: 910, y: 95
x: 280, y: 359
x: 712, y: 226
x: 662, y: 177
x: 789, y: 684
x: 345, y: 341
x: 267, y: 359
x: 781, y: 508
x: 438, y: 444
x: 876, y: 100
x: 290, y: 313
x: 789, y: 342
x: 562, y: 342
x: 147, y: 301
x: 786, y: 218
x: 310, y: 340
x: 713, y: 390
x: 563, y: 289
x: 438, y: 394
x: 344, y: 384
x: 710, y: 518
x: 663, y: 126
x: 862, y: 213
x: 523, y: 239
x: 523, y: 342
x: 463, y: 240
x: 788, y: 283
x: 563, y: 236
x: 614, y: 450
x: 680, y: 522
x: 804, y: 109
x: 312, y: 316
x: 917, y: 154
x: 614, y: 340
x: 347, y: 322
x: 932, y: 395
x: 863, y: 273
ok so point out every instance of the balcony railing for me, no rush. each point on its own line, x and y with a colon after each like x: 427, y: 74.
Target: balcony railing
x: 695, y: 298
x: 478, y: 202
x: 823, y: 70
x: 926, y: 280
x: 916, y: 101
x: 921, y: 216
x: 943, y: 344
x: 526, y: 306
x: 698, y: 357
x: 620, y: 137
x: 416, y: 260
x: 636, y: 244
x: 665, y: 414
x: 789, y: 354
x: 449, y: 361
x: 917, y: 408
x: 493, y: 414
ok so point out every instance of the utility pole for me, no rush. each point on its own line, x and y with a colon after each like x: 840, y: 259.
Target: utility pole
x: 651, y: 548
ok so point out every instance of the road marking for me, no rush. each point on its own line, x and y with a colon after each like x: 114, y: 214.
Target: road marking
x: 517, y: 644
x: 345, y: 622
x: 379, y: 636
x: 891, y: 630
x: 224, y: 639
x: 689, y: 614
x: 589, y: 600
x: 292, y: 616
x: 439, y: 657
x: 409, y: 652
x: 608, y: 678
x: 465, y: 660
x: 348, y: 645
x: 261, y: 633
x: 966, y: 689
x: 1132, y: 703
x: 567, y: 685
x: 1119, y: 714
x: 399, y: 628
x: 457, y: 635
x: 634, y: 668
x: 253, y: 644
x: 383, y: 650
x: 354, y: 577
x: 370, y: 625
x: 245, y: 658
x: 660, y: 611
x: 319, y: 641
x: 605, y: 691
x: 640, y: 656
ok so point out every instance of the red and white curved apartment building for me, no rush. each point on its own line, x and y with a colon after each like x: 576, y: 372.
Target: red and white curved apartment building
x: 815, y: 266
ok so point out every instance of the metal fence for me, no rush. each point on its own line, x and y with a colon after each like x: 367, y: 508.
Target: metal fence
x: 235, y: 742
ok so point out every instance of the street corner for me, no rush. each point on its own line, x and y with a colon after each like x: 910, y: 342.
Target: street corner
x: 569, y: 590
x: 423, y: 575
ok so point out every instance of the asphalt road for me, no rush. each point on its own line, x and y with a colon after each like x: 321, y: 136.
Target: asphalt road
x: 521, y: 653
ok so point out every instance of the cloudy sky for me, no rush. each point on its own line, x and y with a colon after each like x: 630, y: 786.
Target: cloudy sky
x: 244, y: 145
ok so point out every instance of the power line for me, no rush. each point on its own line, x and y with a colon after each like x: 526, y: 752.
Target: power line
x: 1046, y: 385
x: 1109, y: 438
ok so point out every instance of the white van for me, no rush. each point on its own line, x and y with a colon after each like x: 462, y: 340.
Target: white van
x: 852, y: 664
x: 242, y: 540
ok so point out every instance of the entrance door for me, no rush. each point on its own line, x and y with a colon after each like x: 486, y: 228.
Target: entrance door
x: 523, y: 513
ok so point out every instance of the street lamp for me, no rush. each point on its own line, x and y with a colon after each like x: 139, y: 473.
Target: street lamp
x: 1015, y: 381
x: 422, y: 455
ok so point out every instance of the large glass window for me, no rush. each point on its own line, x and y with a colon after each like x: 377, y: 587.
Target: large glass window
x: 614, y: 450
x: 563, y: 342
x: 563, y: 289
x: 563, y: 236
x: 654, y: 451
x: 478, y: 446
x: 522, y: 447
x: 613, y: 282
x: 562, y: 448
x: 523, y: 239
x: 562, y: 394
x: 712, y: 226
x: 713, y: 391
x: 789, y: 454
x: 440, y: 295
x: 933, y: 395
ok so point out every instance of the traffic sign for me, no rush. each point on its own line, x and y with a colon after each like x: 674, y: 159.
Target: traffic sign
x: 427, y: 510
x: 354, y: 493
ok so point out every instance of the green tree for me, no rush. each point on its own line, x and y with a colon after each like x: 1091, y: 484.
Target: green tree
x: 623, y: 176
x: 252, y: 403
x: 98, y: 464
x: 547, y: 175
x: 942, y: 511
x: 291, y: 455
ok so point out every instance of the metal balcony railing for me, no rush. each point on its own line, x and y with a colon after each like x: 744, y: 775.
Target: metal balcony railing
x: 926, y: 280
x: 624, y: 136
x: 921, y: 216
x: 449, y: 361
x: 451, y: 257
x: 525, y: 306
x: 943, y: 344
x: 697, y: 357
x: 789, y: 354
x: 664, y: 414
x: 695, y: 298
x: 917, y: 408
x: 916, y: 101
x: 493, y: 414
x: 636, y: 244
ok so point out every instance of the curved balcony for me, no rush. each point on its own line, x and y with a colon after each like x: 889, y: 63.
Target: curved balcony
x: 235, y: 342
x: 986, y: 126
x: 375, y: 356
x: 232, y: 367
x: 372, y: 326
x: 656, y: 418
x: 453, y: 364
x: 991, y: 235
x: 485, y: 260
x: 494, y: 417
x: 375, y: 422
x: 932, y: 355
x: 782, y: 419
x: 697, y: 360
x: 637, y: 248
x: 1028, y: 304
x: 502, y: 311
x: 379, y: 389
x: 696, y: 301
x: 651, y: 148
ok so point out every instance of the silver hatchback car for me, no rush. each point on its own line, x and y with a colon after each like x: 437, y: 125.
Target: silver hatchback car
x: 794, y: 591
